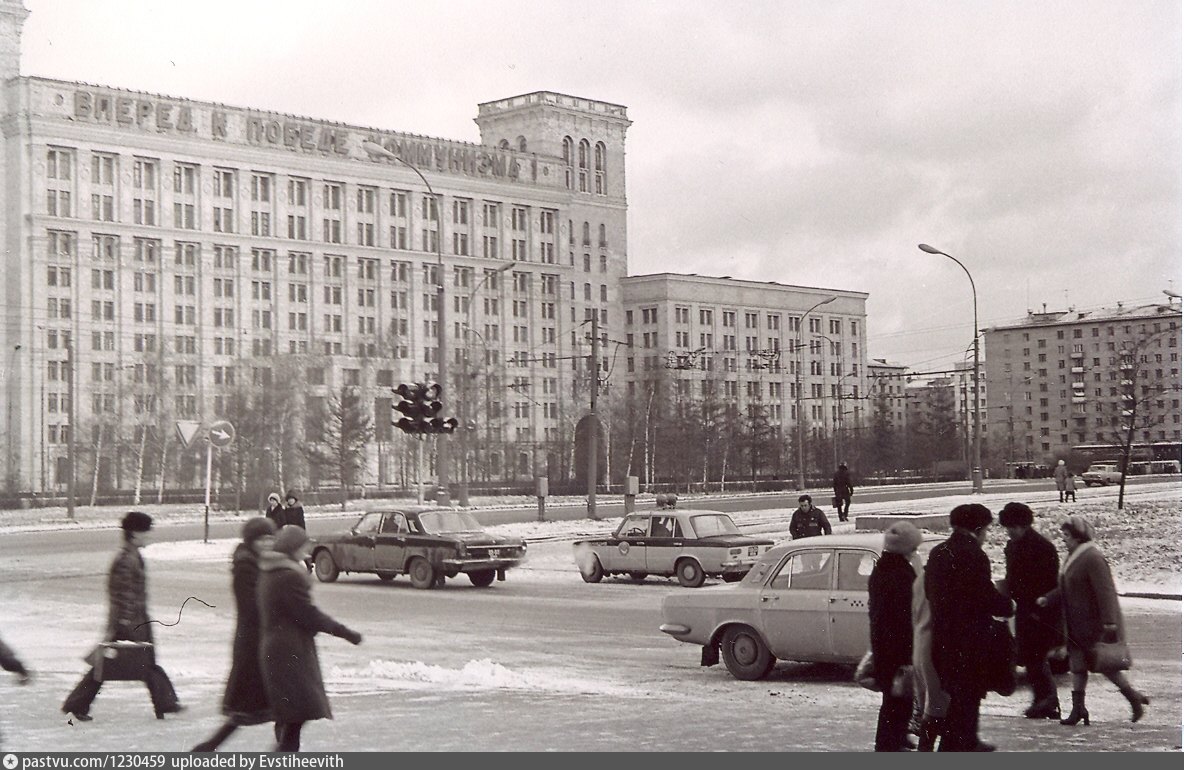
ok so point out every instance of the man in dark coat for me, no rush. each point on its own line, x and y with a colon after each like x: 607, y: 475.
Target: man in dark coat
x: 275, y: 510
x: 287, y: 651
x: 963, y: 600
x: 245, y: 701
x: 127, y: 620
x: 294, y: 511
x: 807, y: 521
x: 1032, y: 565
x: 843, y: 490
x: 890, y: 621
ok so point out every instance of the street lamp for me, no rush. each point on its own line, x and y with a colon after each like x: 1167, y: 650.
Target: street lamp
x: 463, y: 486
x: 441, y: 331
x: 798, y: 399
x: 976, y: 473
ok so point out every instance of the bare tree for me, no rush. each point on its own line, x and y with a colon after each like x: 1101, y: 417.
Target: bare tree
x: 341, y: 449
x: 1134, y: 413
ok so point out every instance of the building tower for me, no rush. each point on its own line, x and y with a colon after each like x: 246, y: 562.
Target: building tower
x: 12, y: 17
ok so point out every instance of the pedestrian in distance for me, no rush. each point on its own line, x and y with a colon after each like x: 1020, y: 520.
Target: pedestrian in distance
x: 275, y: 510
x: 127, y: 620
x: 1032, y: 565
x: 1059, y: 476
x: 245, y: 700
x: 289, y: 624
x: 930, y: 701
x: 843, y: 489
x: 294, y: 511
x: 1070, y: 487
x: 890, y: 622
x: 10, y: 662
x: 807, y: 521
x: 1086, y: 596
x: 964, y: 601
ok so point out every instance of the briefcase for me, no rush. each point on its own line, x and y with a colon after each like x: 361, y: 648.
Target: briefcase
x: 122, y: 661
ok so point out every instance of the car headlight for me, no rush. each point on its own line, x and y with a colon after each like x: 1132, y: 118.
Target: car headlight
x: 735, y: 551
x: 461, y: 551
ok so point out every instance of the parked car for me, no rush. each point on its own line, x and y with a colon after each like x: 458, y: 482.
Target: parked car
x: 805, y: 600
x: 688, y: 544
x: 428, y: 545
x: 1101, y: 474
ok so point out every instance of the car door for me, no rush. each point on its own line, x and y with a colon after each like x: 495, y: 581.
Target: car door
x: 795, y: 606
x: 627, y: 549
x: 664, y: 544
x: 357, y: 550
x: 390, y: 549
x: 849, y: 634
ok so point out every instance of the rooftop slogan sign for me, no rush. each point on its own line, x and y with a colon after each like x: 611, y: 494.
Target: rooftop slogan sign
x: 148, y: 113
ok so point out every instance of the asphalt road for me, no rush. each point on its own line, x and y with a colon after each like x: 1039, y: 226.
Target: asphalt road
x: 541, y: 662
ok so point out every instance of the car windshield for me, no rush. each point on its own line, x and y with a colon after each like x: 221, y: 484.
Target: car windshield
x: 449, y: 521
x: 714, y: 524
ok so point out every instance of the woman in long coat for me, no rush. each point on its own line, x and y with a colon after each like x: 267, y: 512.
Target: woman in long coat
x: 930, y: 702
x: 890, y: 621
x: 1086, y: 595
x: 288, y: 651
x: 245, y: 700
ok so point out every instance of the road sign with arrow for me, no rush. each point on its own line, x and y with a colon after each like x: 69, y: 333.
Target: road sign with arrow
x: 221, y: 434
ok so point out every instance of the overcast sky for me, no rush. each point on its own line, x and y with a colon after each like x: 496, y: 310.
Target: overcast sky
x: 801, y: 141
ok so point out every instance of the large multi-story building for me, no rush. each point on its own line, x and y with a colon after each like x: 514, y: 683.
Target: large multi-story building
x: 742, y: 344
x: 163, y: 257
x: 177, y: 248
x: 886, y: 383
x: 1059, y: 380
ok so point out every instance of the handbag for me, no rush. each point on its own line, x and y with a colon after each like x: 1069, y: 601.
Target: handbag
x: 121, y: 661
x: 1109, y: 657
x: 999, y: 660
x: 865, y: 673
x: 834, y: 502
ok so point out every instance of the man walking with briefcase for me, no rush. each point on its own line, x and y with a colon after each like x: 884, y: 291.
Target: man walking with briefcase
x: 127, y: 620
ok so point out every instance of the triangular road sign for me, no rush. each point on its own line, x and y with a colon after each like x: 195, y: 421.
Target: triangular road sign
x: 187, y: 430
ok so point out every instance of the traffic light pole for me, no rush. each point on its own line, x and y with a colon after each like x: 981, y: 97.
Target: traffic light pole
x: 594, y: 423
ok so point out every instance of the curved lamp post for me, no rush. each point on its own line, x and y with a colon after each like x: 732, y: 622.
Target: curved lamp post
x: 976, y: 472
x: 441, y: 332
x: 463, y: 484
x: 798, y: 398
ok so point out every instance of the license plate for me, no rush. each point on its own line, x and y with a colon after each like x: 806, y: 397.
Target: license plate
x: 753, y: 550
x: 494, y: 553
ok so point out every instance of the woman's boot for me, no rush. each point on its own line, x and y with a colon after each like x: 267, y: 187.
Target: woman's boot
x: 214, y: 741
x: 1078, y: 714
x: 1137, y: 700
x: 931, y: 730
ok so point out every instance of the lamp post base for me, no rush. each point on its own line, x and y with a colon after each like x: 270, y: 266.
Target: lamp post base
x: 976, y: 481
x: 442, y: 499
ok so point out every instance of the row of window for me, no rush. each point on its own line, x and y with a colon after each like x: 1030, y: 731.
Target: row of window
x: 265, y: 220
x: 728, y: 318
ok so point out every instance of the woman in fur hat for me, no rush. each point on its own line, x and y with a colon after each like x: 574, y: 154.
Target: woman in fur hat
x: 245, y: 700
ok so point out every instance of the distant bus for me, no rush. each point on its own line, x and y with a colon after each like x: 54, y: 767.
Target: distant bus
x: 1154, y: 457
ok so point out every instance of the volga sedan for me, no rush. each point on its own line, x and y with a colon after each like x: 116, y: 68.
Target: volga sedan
x: 805, y: 600
x: 688, y: 544
x: 427, y: 545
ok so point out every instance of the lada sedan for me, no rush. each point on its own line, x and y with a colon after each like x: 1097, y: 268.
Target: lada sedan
x: 426, y: 545
x: 804, y: 601
x: 688, y: 544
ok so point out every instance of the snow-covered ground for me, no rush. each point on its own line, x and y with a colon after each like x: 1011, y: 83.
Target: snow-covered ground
x: 510, y: 690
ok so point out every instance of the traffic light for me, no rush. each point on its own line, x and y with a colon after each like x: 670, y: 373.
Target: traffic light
x: 420, y: 404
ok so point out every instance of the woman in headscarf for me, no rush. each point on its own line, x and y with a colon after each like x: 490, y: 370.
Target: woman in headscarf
x: 890, y: 620
x: 245, y: 700
x: 288, y: 651
x: 1086, y: 595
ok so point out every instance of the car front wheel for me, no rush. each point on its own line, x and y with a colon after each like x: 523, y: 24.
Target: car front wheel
x: 325, y: 568
x: 690, y: 574
x: 422, y: 574
x: 482, y: 578
x: 745, y: 654
x: 594, y: 572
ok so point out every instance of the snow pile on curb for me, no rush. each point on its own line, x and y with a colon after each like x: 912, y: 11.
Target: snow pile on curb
x: 475, y: 675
